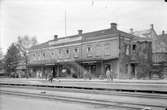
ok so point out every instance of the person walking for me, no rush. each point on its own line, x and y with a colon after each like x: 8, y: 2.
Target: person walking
x: 51, y: 77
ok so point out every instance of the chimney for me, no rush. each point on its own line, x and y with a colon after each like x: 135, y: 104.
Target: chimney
x: 80, y: 32
x: 113, y: 26
x: 163, y: 32
x: 55, y: 37
x: 152, y: 26
x: 131, y: 30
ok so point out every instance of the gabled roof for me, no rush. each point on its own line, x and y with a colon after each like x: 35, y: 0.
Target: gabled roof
x: 142, y: 33
x: 146, y: 34
x: 141, y: 39
x: 163, y: 37
x: 159, y: 42
x: 162, y: 40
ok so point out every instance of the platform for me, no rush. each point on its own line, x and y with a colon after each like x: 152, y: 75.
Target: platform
x: 142, y: 85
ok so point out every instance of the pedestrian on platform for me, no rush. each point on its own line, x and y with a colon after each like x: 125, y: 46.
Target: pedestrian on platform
x: 51, y: 77
x: 109, y: 74
x: 89, y: 75
x: 85, y: 74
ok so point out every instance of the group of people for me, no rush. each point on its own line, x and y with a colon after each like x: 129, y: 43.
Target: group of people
x: 48, y: 75
x: 87, y: 74
x: 109, y: 74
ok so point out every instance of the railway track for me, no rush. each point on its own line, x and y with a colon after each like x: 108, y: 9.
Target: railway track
x: 127, y: 105
x: 89, y: 88
x: 105, y: 92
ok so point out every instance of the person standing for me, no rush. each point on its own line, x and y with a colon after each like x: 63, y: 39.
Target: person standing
x: 89, y: 74
x: 109, y: 74
x: 85, y: 74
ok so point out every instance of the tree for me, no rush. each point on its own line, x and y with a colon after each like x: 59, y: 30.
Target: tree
x: 1, y: 57
x: 1, y: 54
x: 23, y: 44
x: 26, y: 42
x: 11, y: 59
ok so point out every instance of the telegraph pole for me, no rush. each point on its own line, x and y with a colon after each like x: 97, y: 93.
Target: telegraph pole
x: 65, y: 21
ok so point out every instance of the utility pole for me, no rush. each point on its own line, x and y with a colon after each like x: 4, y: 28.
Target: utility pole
x: 65, y: 21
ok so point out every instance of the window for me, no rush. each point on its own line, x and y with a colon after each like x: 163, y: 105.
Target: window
x: 59, y: 51
x: 43, y: 54
x: 89, y: 49
x: 89, y: 53
x: 126, y: 68
x: 76, y: 50
x: 107, y: 50
x: 134, y: 47
x: 127, y: 49
x: 67, y: 51
x: 98, y: 50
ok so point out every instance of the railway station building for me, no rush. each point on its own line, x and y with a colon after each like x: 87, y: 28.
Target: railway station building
x: 94, y: 51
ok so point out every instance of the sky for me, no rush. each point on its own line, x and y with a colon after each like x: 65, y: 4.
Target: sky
x: 45, y: 18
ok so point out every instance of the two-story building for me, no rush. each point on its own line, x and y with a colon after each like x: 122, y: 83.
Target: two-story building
x: 92, y: 51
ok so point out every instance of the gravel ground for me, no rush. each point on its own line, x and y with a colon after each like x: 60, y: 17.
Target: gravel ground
x: 11, y: 102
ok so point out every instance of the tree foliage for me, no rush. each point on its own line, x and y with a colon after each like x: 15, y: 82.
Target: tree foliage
x: 11, y: 58
x: 18, y: 51
x: 26, y: 42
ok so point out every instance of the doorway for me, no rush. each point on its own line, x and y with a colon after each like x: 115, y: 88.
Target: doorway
x: 133, y: 70
x: 107, y: 66
x: 54, y: 68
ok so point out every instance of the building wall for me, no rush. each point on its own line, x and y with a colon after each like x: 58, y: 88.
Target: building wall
x: 159, y: 58
x: 124, y: 58
x: 117, y: 52
x: 143, y: 58
x: 103, y: 49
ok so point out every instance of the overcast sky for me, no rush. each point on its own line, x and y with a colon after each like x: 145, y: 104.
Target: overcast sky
x: 44, y: 18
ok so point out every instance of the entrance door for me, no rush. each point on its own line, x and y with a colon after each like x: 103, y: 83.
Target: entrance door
x: 54, y: 71
x: 93, y: 69
x: 133, y: 70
